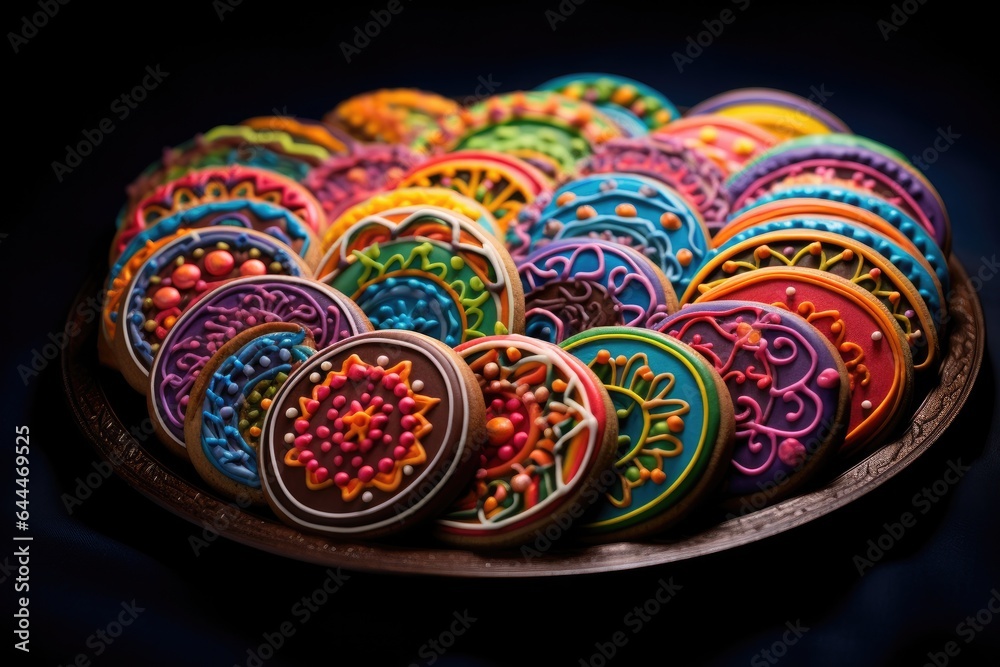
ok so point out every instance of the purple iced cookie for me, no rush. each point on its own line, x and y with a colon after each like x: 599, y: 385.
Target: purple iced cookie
x: 574, y: 285
x: 790, y: 392
x: 855, y: 166
x: 340, y: 182
x: 691, y: 173
x: 221, y: 315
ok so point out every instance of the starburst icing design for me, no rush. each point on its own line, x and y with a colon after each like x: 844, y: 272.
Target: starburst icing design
x: 649, y: 421
x: 360, y: 427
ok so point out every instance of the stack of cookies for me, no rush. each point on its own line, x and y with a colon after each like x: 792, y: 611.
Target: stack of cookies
x: 570, y: 312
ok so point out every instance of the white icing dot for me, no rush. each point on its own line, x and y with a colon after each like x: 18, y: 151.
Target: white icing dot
x: 866, y: 405
x: 417, y: 385
x: 315, y: 378
x: 289, y: 438
x: 326, y: 365
x: 367, y: 496
x: 790, y: 291
x: 876, y: 335
x: 382, y: 361
x: 291, y: 413
x: 407, y: 470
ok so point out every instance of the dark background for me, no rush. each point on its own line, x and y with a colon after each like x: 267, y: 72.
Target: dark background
x: 937, y: 71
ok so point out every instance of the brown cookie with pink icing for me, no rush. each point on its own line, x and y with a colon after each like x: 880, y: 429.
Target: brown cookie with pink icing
x: 371, y: 436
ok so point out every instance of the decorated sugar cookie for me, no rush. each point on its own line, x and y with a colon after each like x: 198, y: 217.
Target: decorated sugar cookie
x: 371, y: 436
x: 502, y: 183
x: 631, y: 210
x: 895, y: 247
x: 850, y: 205
x: 675, y: 430
x: 391, y: 116
x: 217, y: 184
x: 274, y: 221
x: 634, y: 107
x: 853, y: 166
x: 774, y: 244
x: 551, y: 432
x: 345, y: 180
x: 783, y: 114
x: 548, y: 130
x: 729, y: 142
x: 790, y: 392
x: 305, y: 130
x: 667, y: 160
x: 235, y: 388
x: 873, y: 347
x: 399, y: 198
x: 177, y: 275
x: 574, y: 285
x: 225, y: 313
x: 433, y: 272
x: 273, y: 150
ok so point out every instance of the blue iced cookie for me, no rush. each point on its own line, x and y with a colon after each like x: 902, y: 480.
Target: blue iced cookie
x: 634, y: 107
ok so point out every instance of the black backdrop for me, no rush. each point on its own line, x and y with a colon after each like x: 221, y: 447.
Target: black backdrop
x: 935, y: 73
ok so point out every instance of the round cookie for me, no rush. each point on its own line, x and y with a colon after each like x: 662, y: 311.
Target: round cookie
x: 675, y: 430
x: 392, y: 115
x: 729, y: 142
x: 216, y: 184
x: 694, y: 175
x: 223, y: 314
x: 305, y: 130
x: 853, y: 206
x: 371, y: 436
x: 345, y: 180
x: 180, y: 273
x: 550, y: 131
x: 873, y: 232
x: 551, y: 433
x: 632, y: 210
x: 433, y: 272
x: 783, y: 114
x: 237, y: 213
x: 380, y: 203
x: 235, y: 388
x: 574, y: 285
x: 634, y: 107
x: 789, y: 388
x: 501, y: 183
x: 855, y: 166
x: 775, y: 244
x: 874, y: 350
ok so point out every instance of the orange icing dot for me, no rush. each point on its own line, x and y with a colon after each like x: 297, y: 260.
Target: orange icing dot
x: 670, y: 221
x: 625, y: 210
x: 675, y: 423
x: 585, y: 212
x: 684, y: 256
